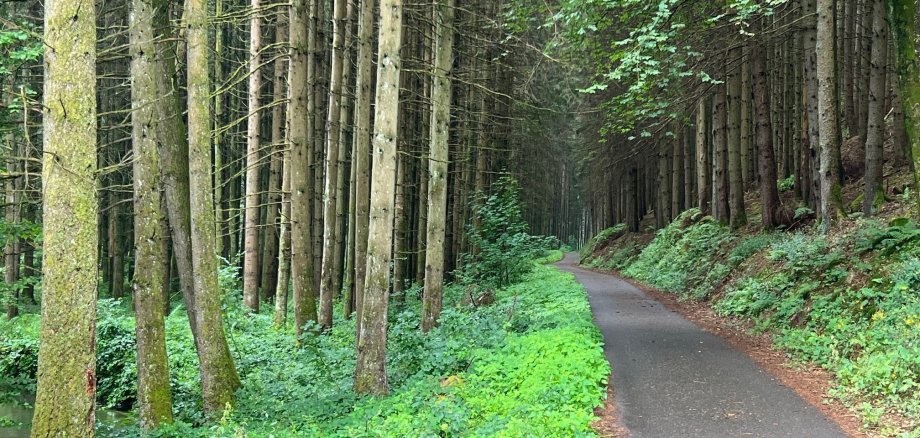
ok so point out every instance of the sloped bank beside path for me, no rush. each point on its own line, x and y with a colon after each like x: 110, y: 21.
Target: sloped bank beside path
x: 671, y: 378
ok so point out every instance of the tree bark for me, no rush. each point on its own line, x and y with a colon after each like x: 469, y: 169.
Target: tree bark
x: 437, y: 163
x: 809, y: 43
x: 65, y: 402
x: 831, y: 205
x: 326, y: 290
x: 874, y: 192
x: 151, y: 245
x: 361, y: 154
x: 270, y: 256
x: 219, y: 379
x: 299, y: 126
x: 902, y: 15
x: 251, y: 271
x: 737, y: 215
x: 370, y: 368
x: 720, y: 208
x: 703, y: 196
x: 769, y: 195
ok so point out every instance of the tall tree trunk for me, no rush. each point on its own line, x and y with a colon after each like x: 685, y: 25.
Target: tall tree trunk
x: 769, y: 196
x: 874, y: 192
x: 831, y: 206
x: 677, y: 172
x: 151, y: 278
x: 345, y: 169
x: 117, y: 249
x: 251, y: 271
x: 219, y: 379
x: 720, y: 208
x: 437, y: 163
x: 65, y: 401
x: 737, y: 215
x: 13, y: 216
x: 703, y: 196
x: 361, y: 154
x: 748, y: 173
x: 270, y: 256
x: 327, y: 289
x: 902, y: 15
x: 809, y: 43
x: 299, y: 125
x: 370, y: 367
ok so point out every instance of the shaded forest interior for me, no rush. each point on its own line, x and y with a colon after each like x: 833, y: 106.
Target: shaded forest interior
x: 320, y: 169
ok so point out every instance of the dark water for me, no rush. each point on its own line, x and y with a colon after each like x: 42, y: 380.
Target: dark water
x: 16, y: 417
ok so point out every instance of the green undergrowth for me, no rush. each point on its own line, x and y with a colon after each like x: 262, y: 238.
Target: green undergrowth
x: 847, y: 301
x: 530, y: 364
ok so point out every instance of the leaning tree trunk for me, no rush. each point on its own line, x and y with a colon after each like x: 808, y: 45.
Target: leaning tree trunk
x: 437, y: 164
x: 151, y: 246
x: 65, y: 401
x: 874, y: 193
x: 370, y: 367
x: 219, y: 379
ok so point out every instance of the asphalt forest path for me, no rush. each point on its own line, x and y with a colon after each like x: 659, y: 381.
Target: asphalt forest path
x: 672, y: 379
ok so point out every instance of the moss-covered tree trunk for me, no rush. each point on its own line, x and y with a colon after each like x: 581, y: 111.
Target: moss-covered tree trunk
x: 370, y: 367
x: 219, y: 379
x: 361, y: 154
x: 437, y: 163
x: 299, y: 126
x: 902, y: 16
x: 151, y: 287
x: 65, y: 401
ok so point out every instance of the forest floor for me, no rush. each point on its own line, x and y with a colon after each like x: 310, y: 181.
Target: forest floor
x: 674, y: 378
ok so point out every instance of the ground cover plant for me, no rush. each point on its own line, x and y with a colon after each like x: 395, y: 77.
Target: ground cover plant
x: 531, y: 363
x: 845, y: 301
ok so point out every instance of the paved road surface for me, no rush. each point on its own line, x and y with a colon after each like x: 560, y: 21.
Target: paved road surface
x: 672, y: 379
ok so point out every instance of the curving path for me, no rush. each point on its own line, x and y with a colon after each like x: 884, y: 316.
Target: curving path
x: 672, y: 379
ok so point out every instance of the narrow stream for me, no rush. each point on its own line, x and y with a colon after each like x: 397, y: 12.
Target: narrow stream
x: 16, y: 417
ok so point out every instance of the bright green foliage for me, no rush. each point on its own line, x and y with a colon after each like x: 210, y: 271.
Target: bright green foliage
x: 531, y: 364
x: 786, y: 184
x: 19, y: 351
x: 501, y: 247
x: 654, y: 55
x: 804, y: 288
x: 869, y: 336
x: 672, y: 261
x: 899, y: 234
x: 602, y: 237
